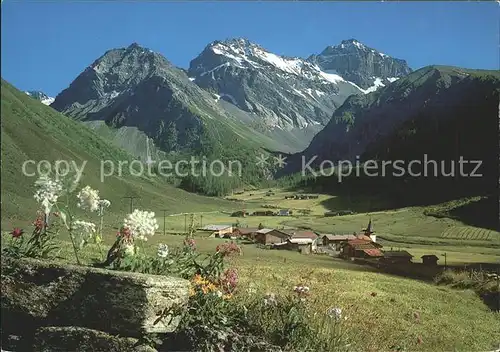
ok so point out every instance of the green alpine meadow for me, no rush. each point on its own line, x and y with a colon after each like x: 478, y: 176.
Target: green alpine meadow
x: 249, y: 177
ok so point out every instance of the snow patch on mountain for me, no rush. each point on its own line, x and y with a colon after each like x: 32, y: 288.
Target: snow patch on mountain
x: 244, y: 54
x: 42, y: 97
x: 377, y: 83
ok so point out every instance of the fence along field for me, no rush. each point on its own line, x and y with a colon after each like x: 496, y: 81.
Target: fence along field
x: 467, y: 233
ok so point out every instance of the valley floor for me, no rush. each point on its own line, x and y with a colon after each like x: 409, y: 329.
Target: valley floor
x: 384, y: 312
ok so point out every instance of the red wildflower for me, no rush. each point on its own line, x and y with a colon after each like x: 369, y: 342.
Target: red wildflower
x: 125, y: 234
x: 39, y: 222
x: 229, y: 280
x: 227, y: 249
x: 189, y: 242
x: 17, y: 232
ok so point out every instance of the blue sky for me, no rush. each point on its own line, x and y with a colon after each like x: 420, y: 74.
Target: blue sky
x: 45, y: 45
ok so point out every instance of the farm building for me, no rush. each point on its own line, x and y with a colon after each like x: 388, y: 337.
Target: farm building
x: 284, y: 212
x: 302, y: 245
x: 335, y: 240
x: 246, y: 232
x: 270, y: 236
x: 396, y: 257
x: 361, y: 248
x: 217, y: 230
x: 430, y: 259
x: 263, y: 213
x: 299, y: 236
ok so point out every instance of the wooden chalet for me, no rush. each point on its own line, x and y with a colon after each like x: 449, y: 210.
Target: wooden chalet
x: 430, y: 259
x: 335, y: 240
x: 270, y: 236
x: 217, y: 230
x: 245, y: 232
x: 396, y: 257
x: 361, y: 248
x: 302, y: 245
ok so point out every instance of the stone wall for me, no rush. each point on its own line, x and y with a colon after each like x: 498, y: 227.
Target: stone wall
x: 54, y: 306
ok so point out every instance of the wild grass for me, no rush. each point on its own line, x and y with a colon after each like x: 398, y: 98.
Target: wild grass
x: 383, y: 312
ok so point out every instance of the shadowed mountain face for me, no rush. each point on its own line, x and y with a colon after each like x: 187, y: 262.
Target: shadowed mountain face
x: 430, y: 97
x: 137, y: 87
x: 441, y: 114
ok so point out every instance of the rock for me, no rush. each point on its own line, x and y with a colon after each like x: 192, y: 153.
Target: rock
x: 76, y: 339
x: 361, y: 64
x: 39, y: 293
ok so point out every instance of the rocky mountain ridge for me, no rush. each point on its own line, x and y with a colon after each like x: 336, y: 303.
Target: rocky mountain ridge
x: 360, y: 64
x: 287, y: 100
x: 284, y: 92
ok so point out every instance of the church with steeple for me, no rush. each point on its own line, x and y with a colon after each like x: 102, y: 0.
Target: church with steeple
x: 368, y: 231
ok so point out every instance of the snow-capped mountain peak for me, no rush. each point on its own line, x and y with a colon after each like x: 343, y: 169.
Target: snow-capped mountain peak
x: 243, y: 54
x: 361, y: 64
x: 285, y: 91
x: 41, y: 96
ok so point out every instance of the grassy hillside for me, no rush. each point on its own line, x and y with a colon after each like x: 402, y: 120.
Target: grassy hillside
x: 33, y: 131
x: 383, y: 312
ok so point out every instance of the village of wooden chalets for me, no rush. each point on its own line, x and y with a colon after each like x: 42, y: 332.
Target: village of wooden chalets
x: 359, y: 246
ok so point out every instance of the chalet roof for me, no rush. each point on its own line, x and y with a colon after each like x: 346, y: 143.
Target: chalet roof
x: 215, y: 227
x: 264, y: 231
x: 302, y: 234
x: 300, y: 240
x: 276, y: 232
x: 396, y: 254
x: 246, y: 230
x: 363, y: 246
x: 359, y: 244
x: 373, y: 252
x: 430, y: 256
x: 363, y: 237
x: 332, y: 237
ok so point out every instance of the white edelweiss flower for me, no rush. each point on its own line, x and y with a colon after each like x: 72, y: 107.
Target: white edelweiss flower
x: 141, y: 224
x: 88, y: 199
x: 47, y: 193
x: 218, y: 293
x: 334, y: 313
x: 162, y: 250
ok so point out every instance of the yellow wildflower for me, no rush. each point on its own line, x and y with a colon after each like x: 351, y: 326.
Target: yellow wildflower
x: 198, y: 280
x: 211, y: 287
x: 228, y: 296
